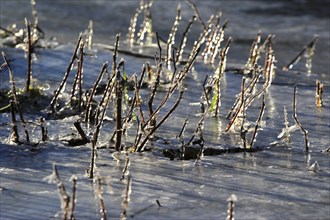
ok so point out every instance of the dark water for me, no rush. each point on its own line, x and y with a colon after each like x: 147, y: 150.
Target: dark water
x: 271, y: 184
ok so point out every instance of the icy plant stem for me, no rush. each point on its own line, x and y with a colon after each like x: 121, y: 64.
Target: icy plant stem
x: 29, y: 57
x: 239, y: 108
x: 91, y: 96
x: 14, y: 136
x: 16, y: 102
x: 73, y: 201
x: 231, y: 204
x: 294, y: 115
x: 319, y: 94
x: 102, y: 204
x: 258, y: 121
x: 62, y: 85
x: 118, y: 111
x: 126, y: 198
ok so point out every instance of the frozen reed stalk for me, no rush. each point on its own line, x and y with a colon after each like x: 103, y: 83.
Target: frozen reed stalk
x: 181, y: 137
x: 91, y: 95
x: 216, y: 102
x: 217, y: 42
x: 184, y: 40
x: 319, y: 94
x: 44, y: 130
x: 73, y: 200
x: 63, y: 83
x: 14, y: 136
x: 294, y: 115
x: 100, y: 196
x: 202, y: 37
x: 125, y: 171
x: 89, y: 35
x: 231, y: 205
x: 132, y: 26
x: 254, y: 54
x: 197, y: 14
x: 286, y: 122
x: 15, y: 98
x: 78, y: 79
x: 126, y: 198
x: 29, y: 56
x: 146, y: 26
x: 258, y: 122
x: 240, y: 108
x: 64, y: 197
x: 310, y: 52
x: 118, y: 111
x: 171, y: 38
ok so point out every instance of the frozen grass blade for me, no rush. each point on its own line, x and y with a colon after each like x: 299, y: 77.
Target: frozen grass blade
x: 14, y: 136
x: 197, y: 14
x: 73, y: 200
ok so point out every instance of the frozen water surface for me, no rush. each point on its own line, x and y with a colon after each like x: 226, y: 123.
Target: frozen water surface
x: 274, y: 183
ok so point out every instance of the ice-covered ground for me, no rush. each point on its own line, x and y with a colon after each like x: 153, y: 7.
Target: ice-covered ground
x: 274, y: 183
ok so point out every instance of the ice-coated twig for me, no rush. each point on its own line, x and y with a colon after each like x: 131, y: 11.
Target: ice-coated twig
x: 255, y: 132
x: 231, y: 205
x: 310, y: 51
x: 184, y: 40
x: 91, y: 95
x: 16, y: 101
x: 319, y: 94
x: 239, y: 109
x: 62, y: 85
x: 125, y: 171
x: 197, y: 14
x: 29, y: 56
x: 44, y: 130
x: 14, y: 136
x: 73, y: 200
x: 103, y: 210
x: 171, y: 38
x: 126, y: 198
x: 294, y: 115
x: 254, y: 54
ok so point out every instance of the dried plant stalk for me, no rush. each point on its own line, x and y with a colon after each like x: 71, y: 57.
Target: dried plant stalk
x: 78, y: 79
x: 125, y: 171
x: 319, y: 94
x: 294, y: 115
